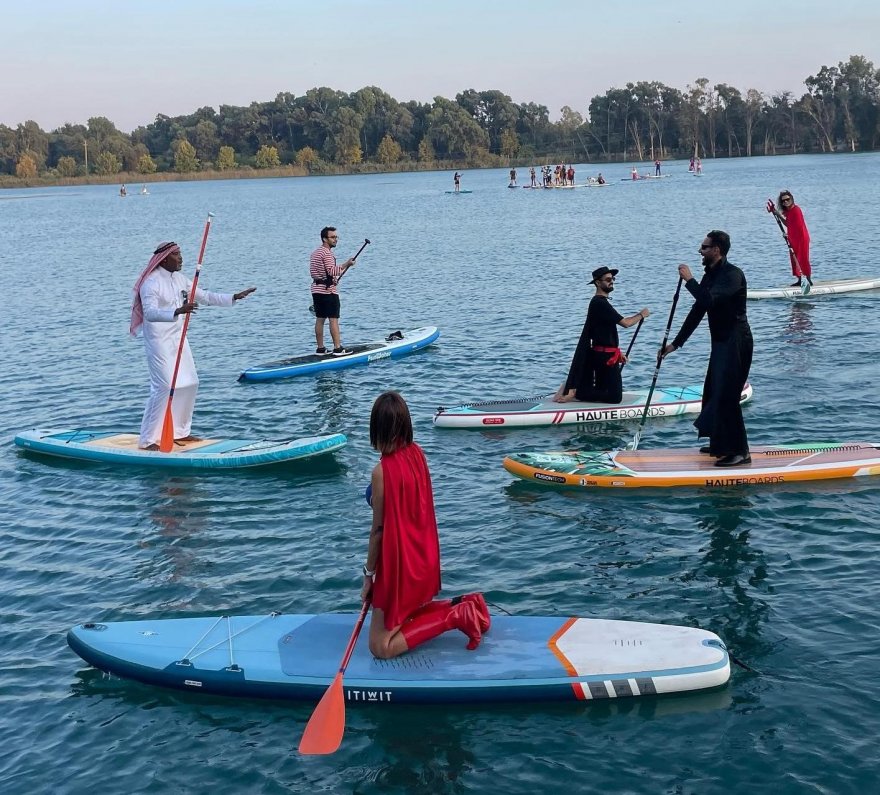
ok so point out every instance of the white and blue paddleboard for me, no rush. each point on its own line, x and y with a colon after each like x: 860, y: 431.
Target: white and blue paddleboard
x: 396, y: 344
x: 543, y: 410
x: 122, y: 448
x: 521, y: 658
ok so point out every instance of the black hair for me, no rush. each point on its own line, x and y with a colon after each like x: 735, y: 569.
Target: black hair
x: 720, y: 239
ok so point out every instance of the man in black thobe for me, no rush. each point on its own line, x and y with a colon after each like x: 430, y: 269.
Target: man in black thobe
x: 722, y: 294
x: 594, y: 375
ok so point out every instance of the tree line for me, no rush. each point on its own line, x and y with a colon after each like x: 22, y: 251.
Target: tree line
x: 325, y: 130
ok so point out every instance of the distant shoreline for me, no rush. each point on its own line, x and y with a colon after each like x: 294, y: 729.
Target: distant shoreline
x: 10, y: 182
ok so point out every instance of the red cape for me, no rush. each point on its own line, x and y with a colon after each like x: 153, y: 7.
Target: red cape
x: 799, y: 237
x: 408, y: 570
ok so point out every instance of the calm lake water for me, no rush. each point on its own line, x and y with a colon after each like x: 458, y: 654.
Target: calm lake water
x: 787, y: 576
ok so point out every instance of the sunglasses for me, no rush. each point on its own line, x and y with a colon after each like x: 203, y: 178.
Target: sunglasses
x: 704, y: 247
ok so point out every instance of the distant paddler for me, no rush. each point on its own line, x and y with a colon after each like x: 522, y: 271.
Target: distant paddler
x: 512, y: 178
x: 456, y: 182
x: 162, y: 297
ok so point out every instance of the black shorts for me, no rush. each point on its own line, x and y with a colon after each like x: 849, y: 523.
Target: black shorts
x: 326, y: 304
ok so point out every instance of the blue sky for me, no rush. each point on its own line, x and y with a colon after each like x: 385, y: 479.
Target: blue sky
x: 67, y: 60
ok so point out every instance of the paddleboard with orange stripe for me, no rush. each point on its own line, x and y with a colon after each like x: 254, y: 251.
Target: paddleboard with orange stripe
x: 521, y: 658
x: 687, y: 467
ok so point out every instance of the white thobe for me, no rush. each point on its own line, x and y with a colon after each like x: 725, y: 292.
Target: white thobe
x: 161, y: 294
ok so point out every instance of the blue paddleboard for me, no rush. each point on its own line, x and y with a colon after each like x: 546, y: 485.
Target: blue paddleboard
x: 521, y: 658
x: 396, y: 344
x: 122, y: 448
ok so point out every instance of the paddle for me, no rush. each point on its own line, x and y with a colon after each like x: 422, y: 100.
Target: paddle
x: 323, y: 732
x: 167, y: 442
x: 634, y: 445
x: 363, y: 246
x: 633, y: 340
x: 771, y: 208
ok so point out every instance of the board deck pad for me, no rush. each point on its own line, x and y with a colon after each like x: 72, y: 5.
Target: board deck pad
x: 521, y: 658
x: 110, y: 446
x: 688, y: 467
x: 394, y: 345
x: 818, y: 288
x: 543, y: 410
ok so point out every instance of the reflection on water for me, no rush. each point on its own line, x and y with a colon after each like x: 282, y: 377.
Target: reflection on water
x: 738, y: 568
x: 799, y: 339
x: 799, y: 329
x: 179, y: 511
x: 332, y: 401
x: 423, y: 751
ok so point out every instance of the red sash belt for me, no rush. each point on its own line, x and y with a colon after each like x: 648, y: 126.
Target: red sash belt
x: 616, y: 354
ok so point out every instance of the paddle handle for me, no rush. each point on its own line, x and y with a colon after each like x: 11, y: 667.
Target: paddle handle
x: 363, y: 246
x: 635, y: 334
x: 352, y: 641
x: 638, y: 436
x: 785, y: 238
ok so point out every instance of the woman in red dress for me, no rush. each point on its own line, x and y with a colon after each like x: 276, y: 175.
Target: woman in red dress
x: 402, y: 572
x: 797, y: 234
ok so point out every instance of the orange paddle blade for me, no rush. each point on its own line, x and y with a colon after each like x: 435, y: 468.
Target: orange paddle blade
x: 323, y: 732
x: 166, y: 445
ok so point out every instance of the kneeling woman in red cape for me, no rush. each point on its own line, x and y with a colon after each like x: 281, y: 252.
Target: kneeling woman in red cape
x: 402, y: 572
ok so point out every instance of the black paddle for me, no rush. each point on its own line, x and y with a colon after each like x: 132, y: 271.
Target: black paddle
x: 634, y: 445
x: 363, y: 246
x: 633, y: 340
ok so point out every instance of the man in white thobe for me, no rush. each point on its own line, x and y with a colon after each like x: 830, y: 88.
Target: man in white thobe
x: 162, y: 297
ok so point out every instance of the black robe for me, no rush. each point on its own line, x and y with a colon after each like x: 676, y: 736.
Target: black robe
x: 590, y: 375
x: 721, y: 294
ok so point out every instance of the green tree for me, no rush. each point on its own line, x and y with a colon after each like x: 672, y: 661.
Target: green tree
x: 26, y: 168
x: 107, y: 163
x: 185, y: 159
x: 509, y: 143
x: 66, y: 166
x: 344, y: 140
x: 426, y: 151
x: 389, y: 151
x: 453, y: 131
x: 146, y: 165
x: 226, y: 158
x: 306, y: 157
x: 267, y: 157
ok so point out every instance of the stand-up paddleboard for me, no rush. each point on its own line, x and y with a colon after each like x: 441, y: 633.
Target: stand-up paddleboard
x: 818, y: 288
x: 543, y: 410
x: 458, y: 191
x: 560, y: 187
x: 396, y: 344
x: 521, y: 658
x: 688, y: 467
x: 122, y: 448
x: 598, y: 184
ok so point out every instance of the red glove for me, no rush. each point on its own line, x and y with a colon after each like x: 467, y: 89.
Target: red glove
x: 771, y: 208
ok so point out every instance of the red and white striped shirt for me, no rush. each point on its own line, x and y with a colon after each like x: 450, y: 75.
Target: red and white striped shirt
x: 321, y: 264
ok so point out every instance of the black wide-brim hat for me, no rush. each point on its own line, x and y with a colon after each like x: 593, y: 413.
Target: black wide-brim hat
x: 604, y: 271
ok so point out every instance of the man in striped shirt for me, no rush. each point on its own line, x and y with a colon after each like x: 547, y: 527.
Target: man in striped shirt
x: 325, y: 275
